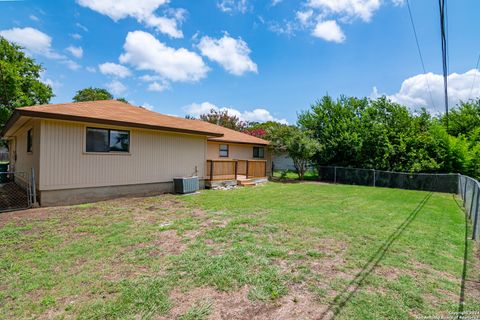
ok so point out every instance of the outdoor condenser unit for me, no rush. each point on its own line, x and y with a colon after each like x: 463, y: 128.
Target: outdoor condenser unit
x: 186, y: 184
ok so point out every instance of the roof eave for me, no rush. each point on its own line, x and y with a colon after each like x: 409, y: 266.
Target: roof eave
x: 266, y: 143
x: 13, y: 118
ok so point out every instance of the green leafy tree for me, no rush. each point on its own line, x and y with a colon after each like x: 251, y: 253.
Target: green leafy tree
x: 92, y: 94
x: 20, y: 83
x: 122, y: 100
x: 297, y: 143
x: 463, y: 119
x: 335, y: 126
x: 224, y: 119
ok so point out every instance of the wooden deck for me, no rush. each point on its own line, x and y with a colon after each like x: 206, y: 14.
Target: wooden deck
x: 233, y: 172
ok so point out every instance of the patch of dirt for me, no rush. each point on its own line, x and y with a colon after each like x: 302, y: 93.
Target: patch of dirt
x: 235, y: 305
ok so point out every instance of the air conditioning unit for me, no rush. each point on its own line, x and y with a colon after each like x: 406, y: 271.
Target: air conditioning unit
x: 184, y: 185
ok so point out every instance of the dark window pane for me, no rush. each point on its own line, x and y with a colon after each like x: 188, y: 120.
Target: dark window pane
x: 29, y: 140
x: 119, y: 141
x: 224, y: 150
x: 258, y: 152
x: 97, y: 140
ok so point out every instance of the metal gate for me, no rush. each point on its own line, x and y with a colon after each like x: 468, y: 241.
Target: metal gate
x: 16, y: 191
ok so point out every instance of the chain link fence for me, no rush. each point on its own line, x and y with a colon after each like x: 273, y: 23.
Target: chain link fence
x: 16, y: 191
x: 467, y: 188
x: 376, y: 178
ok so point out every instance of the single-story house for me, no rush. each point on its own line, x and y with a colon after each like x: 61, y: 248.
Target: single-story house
x: 89, y: 151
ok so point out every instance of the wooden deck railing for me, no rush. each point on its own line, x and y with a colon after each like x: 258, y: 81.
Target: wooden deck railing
x: 235, y: 169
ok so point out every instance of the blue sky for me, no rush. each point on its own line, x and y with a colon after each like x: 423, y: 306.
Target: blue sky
x: 262, y: 60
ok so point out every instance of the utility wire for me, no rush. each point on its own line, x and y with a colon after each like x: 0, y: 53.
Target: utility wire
x: 420, y: 53
x: 474, y: 78
x: 441, y: 4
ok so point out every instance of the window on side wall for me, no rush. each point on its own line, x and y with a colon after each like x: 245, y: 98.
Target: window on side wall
x: 107, y: 140
x: 259, y: 152
x: 224, y: 150
x: 30, y: 140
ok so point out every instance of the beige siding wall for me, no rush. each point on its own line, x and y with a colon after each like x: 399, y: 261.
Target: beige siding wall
x: 237, y: 152
x: 154, y: 157
x: 25, y: 161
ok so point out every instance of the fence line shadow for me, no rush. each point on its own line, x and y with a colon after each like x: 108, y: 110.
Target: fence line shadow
x: 461, y: 301
x: 341, y: 299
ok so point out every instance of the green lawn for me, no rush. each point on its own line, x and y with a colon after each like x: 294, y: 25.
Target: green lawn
x: 277, y: 251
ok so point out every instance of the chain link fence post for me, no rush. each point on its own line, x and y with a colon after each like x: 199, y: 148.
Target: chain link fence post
x: 475, y: 217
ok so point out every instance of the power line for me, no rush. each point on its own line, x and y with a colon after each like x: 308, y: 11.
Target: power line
x: 441, y: 4
x: 474, y: 78
x: 420, y: 53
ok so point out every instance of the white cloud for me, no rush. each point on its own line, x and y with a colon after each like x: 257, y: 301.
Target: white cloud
x: 34, y: 18
x: 117, y: 70
x: 257, y: 115
x: 143, y: 51
x: 81, y: 26
x: 158, y: 86
x: 55, y: 84
x: 347, y: 9
x: 36, y: 42
x: 398, y: 2
x: 275, y: 2
x: 231, y: 6
x: 232, y: 54
x: 149, y: 78
x: 414, y: 91
x: 304, y: 16
x: 76, y: 36
x: 72, y: 65
x: 148, y: 106
x: 329, y: 31
x: 323, y: 17
x: 91, y: 69
x: 116, y: 87
x: 33, y: 40
x: 141, y: 10
x: 77, y: 52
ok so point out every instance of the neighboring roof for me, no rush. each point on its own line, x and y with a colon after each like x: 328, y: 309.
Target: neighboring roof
x: 113, y: 112
x: 233, y: 136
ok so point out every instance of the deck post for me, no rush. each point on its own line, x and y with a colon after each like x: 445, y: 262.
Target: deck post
x: 265, y: 164
x: 236, y: 169
x: 211, y: 170
x: 246, y: 169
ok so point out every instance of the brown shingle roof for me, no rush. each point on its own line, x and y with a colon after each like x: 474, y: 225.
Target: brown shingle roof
x: 115, y: 112
x: 233, y: 136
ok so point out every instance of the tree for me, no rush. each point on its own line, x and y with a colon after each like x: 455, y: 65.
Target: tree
x: 224, y: 119
x: 335, y: 125
x: 122, y: 100
x: 92, y: 94
x: 262, y: 129
x: 463, y: 119
x: 20, y: 83
x: 297, y: 144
